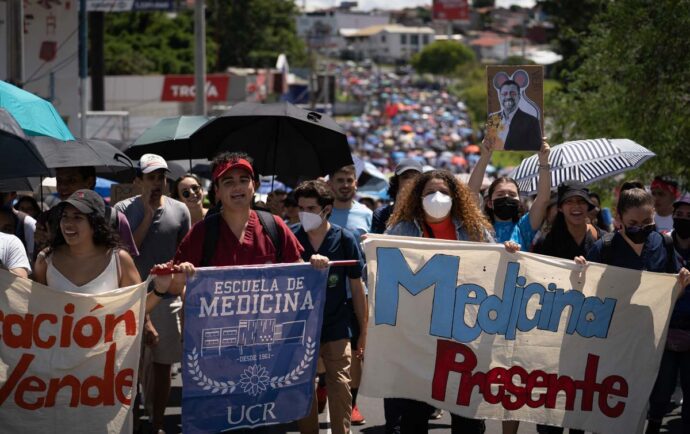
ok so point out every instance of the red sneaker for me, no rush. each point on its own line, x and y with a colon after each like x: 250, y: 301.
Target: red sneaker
x: 357, y: 418
x: 321, y: 397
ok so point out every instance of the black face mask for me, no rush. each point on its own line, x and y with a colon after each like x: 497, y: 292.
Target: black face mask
x: 682, y: 228
x: 506, y: 208
x: 639, y: 234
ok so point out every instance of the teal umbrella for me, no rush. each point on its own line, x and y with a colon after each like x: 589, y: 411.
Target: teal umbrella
x: 36, y: 116
x: 169, y: 138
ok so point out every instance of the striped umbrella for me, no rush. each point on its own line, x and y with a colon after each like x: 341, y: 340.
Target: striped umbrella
x: 584, y: 160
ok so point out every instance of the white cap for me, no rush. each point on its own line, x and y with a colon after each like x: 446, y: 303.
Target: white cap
x: 152, y: 162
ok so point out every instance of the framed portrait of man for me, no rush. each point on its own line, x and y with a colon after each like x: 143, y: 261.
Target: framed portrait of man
x: 515, y: 96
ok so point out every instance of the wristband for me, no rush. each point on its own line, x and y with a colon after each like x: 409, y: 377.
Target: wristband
x: 159, y: 294
x: 545, y: 166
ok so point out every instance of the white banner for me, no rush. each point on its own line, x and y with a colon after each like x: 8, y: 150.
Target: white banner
x: 491, y: 335
x: 68, y: 362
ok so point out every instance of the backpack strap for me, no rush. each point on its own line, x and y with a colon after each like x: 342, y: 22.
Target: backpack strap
x: 607, y: 248
x: 111, y: 217
x: 212, y: 226
x: 268, y: 223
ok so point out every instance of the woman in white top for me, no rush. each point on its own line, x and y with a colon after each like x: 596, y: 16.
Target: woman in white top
x: 84, y: 256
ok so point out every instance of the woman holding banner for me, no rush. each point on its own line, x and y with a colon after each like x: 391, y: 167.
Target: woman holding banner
x: 638, y: 246
x: 502, y: 204
x: 84, y: 256
x: 437, y: 206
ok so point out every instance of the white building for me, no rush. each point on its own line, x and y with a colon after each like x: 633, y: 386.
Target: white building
x: 388, y: 43
x: 491, y: 47
x: 323, y: 30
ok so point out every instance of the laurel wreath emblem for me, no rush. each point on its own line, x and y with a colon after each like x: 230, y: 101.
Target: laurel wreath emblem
x: 225, y: 387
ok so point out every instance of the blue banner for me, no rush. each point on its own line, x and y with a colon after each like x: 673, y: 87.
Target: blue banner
x: 251, y: 340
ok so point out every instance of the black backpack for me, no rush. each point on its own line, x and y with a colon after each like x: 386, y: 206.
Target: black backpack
x: 607, y: 251
x: 213, y: 222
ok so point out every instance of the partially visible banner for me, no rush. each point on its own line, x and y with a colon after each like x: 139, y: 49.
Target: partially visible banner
x: 491, y: 335
x: 251, y: 340
x: 68, y: 362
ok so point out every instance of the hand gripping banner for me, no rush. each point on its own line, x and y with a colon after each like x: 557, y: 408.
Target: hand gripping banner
x: 251, y: 340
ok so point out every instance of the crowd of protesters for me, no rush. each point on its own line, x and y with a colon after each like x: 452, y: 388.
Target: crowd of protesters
x: 423, y: 137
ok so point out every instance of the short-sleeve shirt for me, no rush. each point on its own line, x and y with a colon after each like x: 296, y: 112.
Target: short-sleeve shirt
x: 339, y: 244
x: 653, y: 257
x: 170, y: 224
x: 356, y: 219
x: 520, y: 232
x: 126, y: 237
x: 256, y: 247
x: 13, y: 253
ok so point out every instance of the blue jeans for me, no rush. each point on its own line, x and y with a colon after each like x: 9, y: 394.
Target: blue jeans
x: 672, y: 363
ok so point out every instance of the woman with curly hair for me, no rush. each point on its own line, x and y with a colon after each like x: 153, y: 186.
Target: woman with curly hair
x: 437, y: 206
x: 84, y: 255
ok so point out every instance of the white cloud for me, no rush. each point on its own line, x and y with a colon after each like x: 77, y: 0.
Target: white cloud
x: 399, y: 4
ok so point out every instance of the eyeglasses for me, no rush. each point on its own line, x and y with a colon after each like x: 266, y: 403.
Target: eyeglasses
x: 187, y: 193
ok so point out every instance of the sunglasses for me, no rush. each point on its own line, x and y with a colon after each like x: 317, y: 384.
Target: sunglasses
x: 188, y: 192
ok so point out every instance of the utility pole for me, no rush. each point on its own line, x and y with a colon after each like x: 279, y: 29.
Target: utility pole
x: 83, y: 63
x: 15, y: 42
x: 199, y: 58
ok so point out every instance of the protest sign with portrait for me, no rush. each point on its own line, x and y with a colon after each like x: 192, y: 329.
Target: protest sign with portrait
x: 515, y: 99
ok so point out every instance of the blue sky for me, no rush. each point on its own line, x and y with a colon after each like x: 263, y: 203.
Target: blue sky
x: 398, y: 4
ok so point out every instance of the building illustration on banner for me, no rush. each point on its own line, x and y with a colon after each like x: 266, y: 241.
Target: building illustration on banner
x: 250, y: 333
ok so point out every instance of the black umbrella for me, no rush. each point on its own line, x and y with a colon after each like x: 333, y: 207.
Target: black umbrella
x: 109, y: 162
x: 283, y: 140
x: 20, y: 158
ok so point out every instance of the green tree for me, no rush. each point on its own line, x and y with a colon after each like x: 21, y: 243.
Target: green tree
x: 571, y: 20
x: 253, y: 33
x: 442, y: 58
x: 152, y: 42
x: 634, y: 82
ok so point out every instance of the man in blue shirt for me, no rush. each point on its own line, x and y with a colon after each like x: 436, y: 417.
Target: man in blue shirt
x: 318, y: 235
x: 357, y: 218
x: 347, y: 212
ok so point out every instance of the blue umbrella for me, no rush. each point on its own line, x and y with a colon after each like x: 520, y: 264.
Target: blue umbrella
x: 36, y: 116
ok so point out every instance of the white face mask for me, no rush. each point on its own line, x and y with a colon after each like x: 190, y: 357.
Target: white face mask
x: 437, y: 205
x: 309, y: 220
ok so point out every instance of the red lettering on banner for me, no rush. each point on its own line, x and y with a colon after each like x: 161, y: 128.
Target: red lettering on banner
x: 42, y: 330
x: 40, y: 318
x: 181, y: 88
x: 514, y: 395
x: 111, y: 321
x: 93, y: 391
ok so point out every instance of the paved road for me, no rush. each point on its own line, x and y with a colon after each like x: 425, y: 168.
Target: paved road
x: 372, y: 408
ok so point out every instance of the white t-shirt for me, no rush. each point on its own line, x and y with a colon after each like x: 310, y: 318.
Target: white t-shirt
x: 12, y: 253
x: 663, y: 224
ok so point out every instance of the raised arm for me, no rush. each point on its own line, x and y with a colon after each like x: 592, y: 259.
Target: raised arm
x: 538, y: 210
x: 477, y: 176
